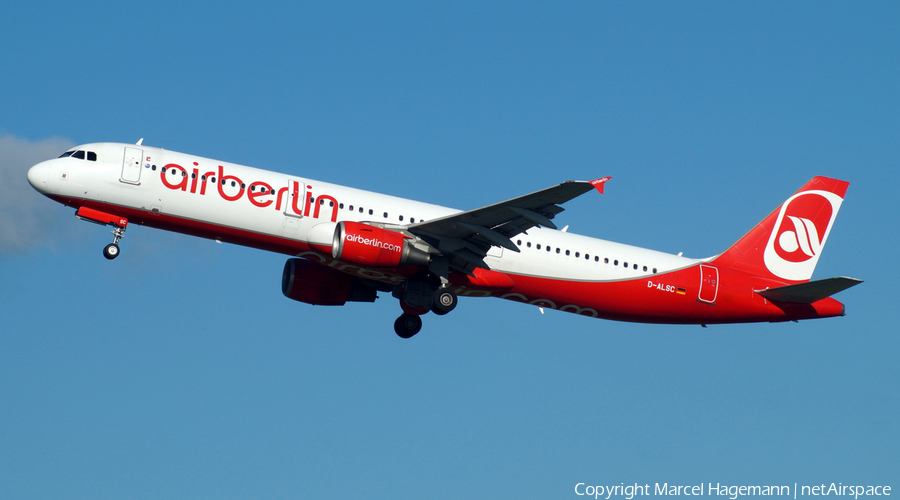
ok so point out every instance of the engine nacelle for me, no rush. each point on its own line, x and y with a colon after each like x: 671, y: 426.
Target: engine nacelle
x: 315, y: 284
x: 372, y: 246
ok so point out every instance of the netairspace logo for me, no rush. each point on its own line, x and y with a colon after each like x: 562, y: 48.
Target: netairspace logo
x: 732, y: 492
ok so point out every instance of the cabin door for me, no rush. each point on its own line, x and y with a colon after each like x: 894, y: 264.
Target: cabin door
x: 131, y: 165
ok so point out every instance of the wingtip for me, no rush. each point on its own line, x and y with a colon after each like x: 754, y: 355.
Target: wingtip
x: 599, y: 183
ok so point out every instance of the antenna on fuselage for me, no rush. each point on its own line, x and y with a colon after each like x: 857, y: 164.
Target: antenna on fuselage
x: 138, y: 143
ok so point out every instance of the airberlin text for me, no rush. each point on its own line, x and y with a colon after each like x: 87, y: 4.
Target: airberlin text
x: 373, y: 242
x: 732, y: 492
x: 260, y: 194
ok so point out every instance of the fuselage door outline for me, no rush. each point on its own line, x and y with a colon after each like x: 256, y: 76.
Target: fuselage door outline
x: 131, y: 165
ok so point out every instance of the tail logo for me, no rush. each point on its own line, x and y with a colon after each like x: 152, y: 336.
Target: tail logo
x: 801, y: 242
x: 800, y: 231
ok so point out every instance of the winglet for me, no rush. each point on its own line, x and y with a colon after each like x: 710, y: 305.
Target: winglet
x: 598, y: 183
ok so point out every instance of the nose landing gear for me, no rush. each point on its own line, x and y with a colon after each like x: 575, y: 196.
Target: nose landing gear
x: 119, y: 224
x: 111, y: 251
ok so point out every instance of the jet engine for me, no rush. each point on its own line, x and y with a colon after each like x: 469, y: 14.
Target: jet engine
x: 315, y: 284
x: 372, y: 246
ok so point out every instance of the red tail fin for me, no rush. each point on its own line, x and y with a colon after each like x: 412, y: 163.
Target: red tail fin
x: 786, y: 245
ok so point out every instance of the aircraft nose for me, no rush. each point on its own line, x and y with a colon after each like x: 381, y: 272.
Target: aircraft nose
x: 37, y: 176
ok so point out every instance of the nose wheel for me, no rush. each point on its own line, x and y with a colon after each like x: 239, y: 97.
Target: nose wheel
x: 111, y: 251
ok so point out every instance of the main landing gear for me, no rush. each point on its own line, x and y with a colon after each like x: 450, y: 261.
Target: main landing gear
x: 417, y: 297
x: 407, y: 325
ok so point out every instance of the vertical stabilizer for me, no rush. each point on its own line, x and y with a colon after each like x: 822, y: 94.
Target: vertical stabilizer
x: 787, y: 244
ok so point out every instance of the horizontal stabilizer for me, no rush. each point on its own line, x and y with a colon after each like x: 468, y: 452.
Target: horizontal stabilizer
x: 807, y: 293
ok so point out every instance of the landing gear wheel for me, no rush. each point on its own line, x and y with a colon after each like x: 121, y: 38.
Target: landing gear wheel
x: 444, y: 301
x: 407, y: 325
x: 111, y: 251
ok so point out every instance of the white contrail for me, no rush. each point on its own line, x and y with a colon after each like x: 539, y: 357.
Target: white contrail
x: 25, y: 215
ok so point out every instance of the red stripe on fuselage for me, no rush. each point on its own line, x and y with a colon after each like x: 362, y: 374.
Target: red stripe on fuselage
x: 656, y: 298
x: 195, y: 228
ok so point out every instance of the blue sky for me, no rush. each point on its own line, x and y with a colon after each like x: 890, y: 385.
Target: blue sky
x: 179, y: 370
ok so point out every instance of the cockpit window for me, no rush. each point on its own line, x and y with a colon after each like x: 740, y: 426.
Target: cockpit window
x: 81, y: 155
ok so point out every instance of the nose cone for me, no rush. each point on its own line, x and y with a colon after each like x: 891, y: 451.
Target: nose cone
x: 38, y: 175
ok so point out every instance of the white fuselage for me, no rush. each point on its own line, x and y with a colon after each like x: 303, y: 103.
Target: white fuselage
x: 260, y: 202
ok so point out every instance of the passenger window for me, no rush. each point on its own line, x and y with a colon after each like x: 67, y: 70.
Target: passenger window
x: 350, y: 208
x: 606, y: 260
x: 401, y: 218
x: 538, y: 246
x: 616, y: 262
x: 596, y: 258
x: 567, y: 252
x: 385, y: 215
x: 371, y: 211
x: 360, y: 209
x: 654, y: 270
x: 577, y: 254
x: 528, y: 244
x: 635, y: 267
x: 645, y: 269
x: 412, y: 220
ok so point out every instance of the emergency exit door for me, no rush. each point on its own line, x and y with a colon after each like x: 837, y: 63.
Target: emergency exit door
x: 709, y: 284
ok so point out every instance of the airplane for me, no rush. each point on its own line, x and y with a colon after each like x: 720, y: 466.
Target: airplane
x: 349, y: 245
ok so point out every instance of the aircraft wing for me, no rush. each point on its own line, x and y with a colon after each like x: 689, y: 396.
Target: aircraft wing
x: 466, y: 237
